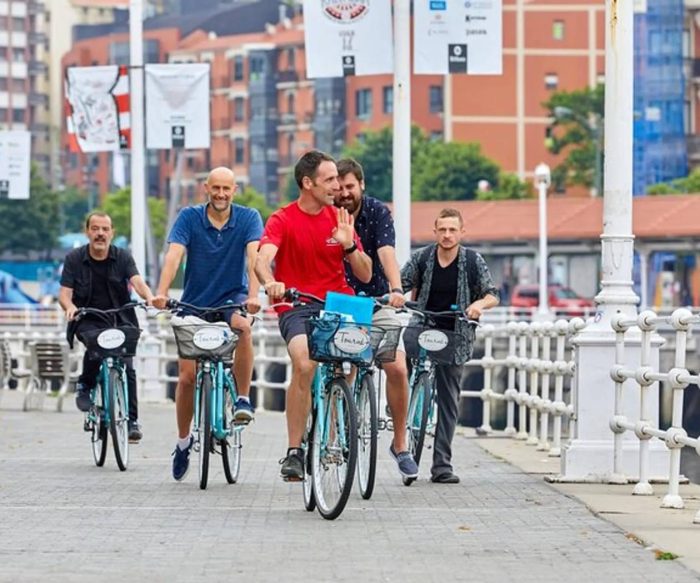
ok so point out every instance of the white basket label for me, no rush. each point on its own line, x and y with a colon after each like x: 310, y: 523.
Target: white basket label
x: 209, y: 338
x: 351, y: 340
x: 433, y: 340
x: 111, y: 338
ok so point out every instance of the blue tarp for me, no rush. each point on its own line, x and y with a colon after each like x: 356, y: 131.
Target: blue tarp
x: 10, y: 292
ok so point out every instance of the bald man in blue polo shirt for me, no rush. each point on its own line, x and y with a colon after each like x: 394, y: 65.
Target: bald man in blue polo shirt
x: 221, y: 242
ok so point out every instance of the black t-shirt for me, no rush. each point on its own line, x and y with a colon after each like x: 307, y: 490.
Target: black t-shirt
x: 100, y: 285
x: 443, y: 292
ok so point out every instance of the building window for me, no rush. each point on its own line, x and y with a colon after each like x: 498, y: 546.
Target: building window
x: 3, y: 86
x: 363, y: 103
x: 239, y: 150
x: 291, y: 103
x: 18, y: 115
x: 257, y: 68
x: 238, y: 109
x: 388, y: 99
x: 238, y: 68
x: 551, y: 81
x: 558, y: 30
x: 291, y: 59
x: 436, y: 100
x: 436, y: 136
x: 18, y: 55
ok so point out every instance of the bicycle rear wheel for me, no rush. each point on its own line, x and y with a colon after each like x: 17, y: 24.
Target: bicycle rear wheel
x: 306, y: 445
x: 98, y: 437
x: 417, y: 421
x: 119, y: 418
x: 334, y: 449
x: 366, y: 436
x: 204, y: 433
x: 231, y: 445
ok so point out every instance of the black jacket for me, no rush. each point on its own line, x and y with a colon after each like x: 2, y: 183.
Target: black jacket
x: 77, y: 275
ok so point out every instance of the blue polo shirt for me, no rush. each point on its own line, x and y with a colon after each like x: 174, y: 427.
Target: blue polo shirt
x: 215, y: 271
x: 375, y: 227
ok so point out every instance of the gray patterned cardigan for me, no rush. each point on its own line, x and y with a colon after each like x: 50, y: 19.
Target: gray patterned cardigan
x: 411, y: 279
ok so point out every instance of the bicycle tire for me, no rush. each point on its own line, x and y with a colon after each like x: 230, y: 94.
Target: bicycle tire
x: 118, y: 418
x: 308, y: 485
x: 367, y: 431
x: 231, y: 445
x: 334, y: 458
x: 98, y: 437
x: 417, y: 420
x: 204, y: 433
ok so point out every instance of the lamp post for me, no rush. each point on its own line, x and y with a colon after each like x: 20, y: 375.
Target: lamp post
x: 594, y: 127
x: 543, y: 178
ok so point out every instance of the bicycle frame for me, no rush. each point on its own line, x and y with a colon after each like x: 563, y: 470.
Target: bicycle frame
x: 326, y: 373
x: 221, y: 381
x: 106, y: 365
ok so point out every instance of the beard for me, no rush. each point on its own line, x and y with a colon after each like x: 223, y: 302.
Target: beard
x: 350, y: 204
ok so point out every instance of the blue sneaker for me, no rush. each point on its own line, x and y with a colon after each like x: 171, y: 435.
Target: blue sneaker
x: 83, y: 400
x: 243, y: 411
x: 181, y: 460
x: 408, y: 468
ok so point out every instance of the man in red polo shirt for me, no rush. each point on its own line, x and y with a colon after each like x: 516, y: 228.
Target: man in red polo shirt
x: 309, y: 241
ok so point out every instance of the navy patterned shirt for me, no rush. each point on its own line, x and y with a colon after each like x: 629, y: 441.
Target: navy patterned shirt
x: 375, y: 227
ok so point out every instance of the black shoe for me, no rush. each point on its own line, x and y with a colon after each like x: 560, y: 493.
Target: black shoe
x: 446, y: 478
x: 83, y: 401
x: 135, y: 433
x: 293, y: 465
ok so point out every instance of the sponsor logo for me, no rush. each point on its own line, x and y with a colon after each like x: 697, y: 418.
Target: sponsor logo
x: 457, y: 58
x: 472, y: 18
x: 351, y: 340
x: 348, y: 67
x: 479, y: 31
x: 177, y: 135
x: 479, y: 4
x: 433, y: 340
x: 345, y: 11
x: 209, y: 338
x: 347, y: 37
x: 111, y: 338
x: 438, y: 5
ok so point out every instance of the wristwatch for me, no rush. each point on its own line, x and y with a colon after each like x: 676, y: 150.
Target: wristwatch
x: 396, y: 290
x: 350, y: 249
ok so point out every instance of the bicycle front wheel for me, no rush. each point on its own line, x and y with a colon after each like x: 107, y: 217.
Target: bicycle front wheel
x: 119, y: 418
x: 204, y: 434
x: 418, y: 410
x: 306, y: 445
x: 231, y: 445
x: 98, y: 437
x: 366, y: 436
x: 334, y: 449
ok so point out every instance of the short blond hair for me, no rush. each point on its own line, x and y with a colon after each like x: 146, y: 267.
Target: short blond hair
x: 450, y: 213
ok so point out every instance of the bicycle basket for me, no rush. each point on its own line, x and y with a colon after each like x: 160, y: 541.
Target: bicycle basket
x: 331, y: 339
x: 120, y: 341
x: 197, y: 338
x: 437, y: 344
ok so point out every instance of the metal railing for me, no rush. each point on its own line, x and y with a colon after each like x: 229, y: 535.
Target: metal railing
x: 677, y: 378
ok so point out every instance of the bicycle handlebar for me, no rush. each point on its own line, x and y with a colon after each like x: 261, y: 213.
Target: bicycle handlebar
x: 175, y: 304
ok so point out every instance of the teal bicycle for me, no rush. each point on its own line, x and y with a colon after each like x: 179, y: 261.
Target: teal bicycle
x: 330, y: 442
x: 211, y: 344
x: 109, y: 413
x: 427, y: 346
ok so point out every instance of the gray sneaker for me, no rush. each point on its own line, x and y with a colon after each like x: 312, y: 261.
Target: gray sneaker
x: 408, y: 468
x: 293, y: 465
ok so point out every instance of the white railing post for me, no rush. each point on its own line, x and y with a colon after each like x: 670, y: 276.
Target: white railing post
x: 643, y: 487
x: 488, y: 365
x: 511, y: 363
x: 533, y: 366
x: 522, y: 382
x: 547, y: 368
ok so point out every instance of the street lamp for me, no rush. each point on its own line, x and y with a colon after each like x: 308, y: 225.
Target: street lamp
x: 594, y: 127
x: 543, y: 178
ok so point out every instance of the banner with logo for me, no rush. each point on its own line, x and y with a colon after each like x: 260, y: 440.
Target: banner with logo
x: 457, y: 36
x: 177, y: 106
x: 97, y: 108
x: 346, y: 37
x: 15, y: 161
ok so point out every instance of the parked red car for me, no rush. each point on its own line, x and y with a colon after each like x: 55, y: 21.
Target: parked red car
x: 563, y: 300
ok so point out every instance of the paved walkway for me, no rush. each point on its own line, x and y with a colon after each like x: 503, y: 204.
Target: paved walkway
x: 63, y: 519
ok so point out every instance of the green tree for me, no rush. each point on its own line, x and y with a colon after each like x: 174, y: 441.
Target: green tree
x: 118, y: 206
x: 30, y: 225
x: 74, y: 207
x: 374, y: 152
x: 253, y: 199
x: 575, y: 132
x: 688, y: 185
x: 509, y: 186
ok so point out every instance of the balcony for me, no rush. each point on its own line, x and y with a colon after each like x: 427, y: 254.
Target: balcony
x: 289, y: 76
x: 35, y: 7
x: 37, y: 68
x: 36, y: 38
x: 287, y: 119
x: 36, y: 98
x: 693, y: 145
x: 39, y: 128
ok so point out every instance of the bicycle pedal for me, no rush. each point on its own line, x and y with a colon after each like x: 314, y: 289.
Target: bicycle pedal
x: 242, y: 422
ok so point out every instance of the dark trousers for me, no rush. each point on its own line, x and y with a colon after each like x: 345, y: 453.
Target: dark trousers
x: 91, y: 368
x: 448, y: 383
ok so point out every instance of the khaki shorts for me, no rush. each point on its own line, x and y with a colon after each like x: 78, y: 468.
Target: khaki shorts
x: 388, y: 318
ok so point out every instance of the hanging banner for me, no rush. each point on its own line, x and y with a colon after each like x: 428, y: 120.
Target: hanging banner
x: 97, y: 108
x: 15, y: 160
x: 346, y: 38
x: 451, y: 36
x: 177, y: 106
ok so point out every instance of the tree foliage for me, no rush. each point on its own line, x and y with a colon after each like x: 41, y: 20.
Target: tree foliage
x: 253, y: 199
x: 688, y: 185
x: 574, y: 136
x: 30, y: 225
x: 74, y: 208
x: 118, y: 206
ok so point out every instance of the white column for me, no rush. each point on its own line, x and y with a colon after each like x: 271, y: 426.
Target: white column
x: 643, y: 276
x: 138, y: 176
x: 402, y: 129
x: 589, y: 454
